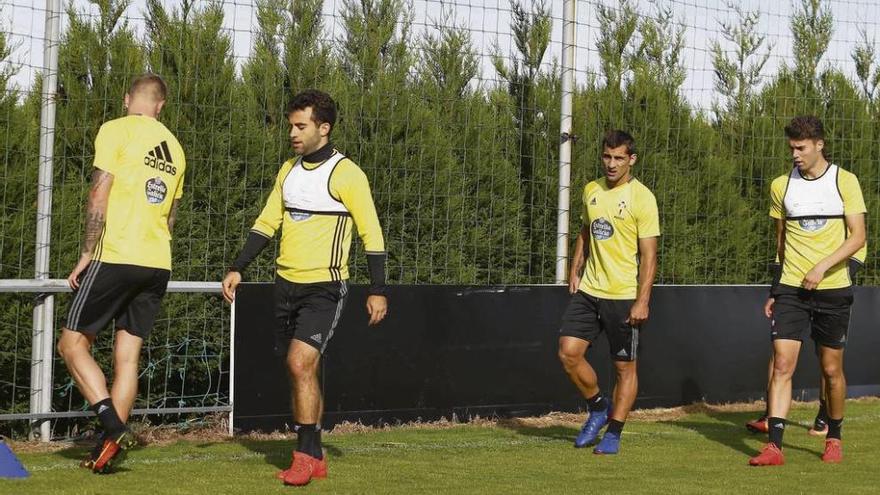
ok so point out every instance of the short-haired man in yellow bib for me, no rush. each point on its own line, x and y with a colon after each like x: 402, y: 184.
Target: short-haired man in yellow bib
x: 819, y: 213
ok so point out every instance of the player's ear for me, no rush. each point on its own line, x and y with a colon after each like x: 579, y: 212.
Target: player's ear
x: 633, y: 158
x: 325, y: 128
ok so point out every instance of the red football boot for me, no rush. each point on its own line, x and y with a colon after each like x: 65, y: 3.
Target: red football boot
x: 770, y: 456
x: 758, y: 426
x: 833, y: 451
x: 303, y: 468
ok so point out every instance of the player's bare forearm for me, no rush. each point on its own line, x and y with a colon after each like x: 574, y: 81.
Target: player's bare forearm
x: 579, y: 255
x: 172, y: 215
x: 854, y: 241
x: 780, y: 240
x: 96, y: 210
x: 647, y: 268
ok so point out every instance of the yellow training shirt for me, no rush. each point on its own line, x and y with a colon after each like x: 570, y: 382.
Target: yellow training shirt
x: 148, y: 165
x: 315, y: 205
x: 814, y: 211
x: 616, y: 219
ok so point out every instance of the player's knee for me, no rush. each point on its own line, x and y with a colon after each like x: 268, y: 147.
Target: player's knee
x: 783, y: 367
x: 568, y: 358
x: 124, y: 361
x: 301, y: 368
x: 68, y: 344
x: 832, y: 372
x: 627, y: 371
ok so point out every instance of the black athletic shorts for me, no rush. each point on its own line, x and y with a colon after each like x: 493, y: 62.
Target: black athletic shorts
x: 307, y: 312
x: 129, y: 294
x: 823, y: 314
x: 587, y: 316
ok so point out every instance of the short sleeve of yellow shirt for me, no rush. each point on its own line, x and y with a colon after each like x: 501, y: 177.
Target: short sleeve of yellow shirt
x: 108, y: 148
x: 647, y: 215
x: 777, y: 192
x: 851, y: 192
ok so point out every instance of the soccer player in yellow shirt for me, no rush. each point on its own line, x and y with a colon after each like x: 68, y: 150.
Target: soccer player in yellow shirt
x: 125, y: 263
x: 820, y: 422
x: 820, y: 224
x: 316, y: 198
x: 620, y: 231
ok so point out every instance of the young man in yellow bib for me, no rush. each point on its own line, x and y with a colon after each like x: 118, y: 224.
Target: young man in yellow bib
x: 820, y: 422
x: 125, y: 263
x: 619, y: 239
x: 316, y: 199
x: 820, y: 223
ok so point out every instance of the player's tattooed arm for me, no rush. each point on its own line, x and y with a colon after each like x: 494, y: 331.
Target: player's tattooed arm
x: 172, y: 215
x: 96, y: 209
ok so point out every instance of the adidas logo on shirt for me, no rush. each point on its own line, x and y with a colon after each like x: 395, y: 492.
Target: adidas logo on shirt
x: 316, y: 337
x: 160, y: 159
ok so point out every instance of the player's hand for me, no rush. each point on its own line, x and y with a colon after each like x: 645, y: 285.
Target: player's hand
x: 377, y: 308
x: 573, y: 283
x: 81, y: 265
x: 813, y: 277
x: 230, y: 283
x: 768, y: 307
x: 638, y: 313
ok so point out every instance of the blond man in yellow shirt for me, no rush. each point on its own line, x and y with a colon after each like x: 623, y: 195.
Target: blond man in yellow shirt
x: 125, y: 262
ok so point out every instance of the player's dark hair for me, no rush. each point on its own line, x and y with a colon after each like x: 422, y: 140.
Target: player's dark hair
x: 805, y: 127
x: 615, y: 138
x: 322, y: 105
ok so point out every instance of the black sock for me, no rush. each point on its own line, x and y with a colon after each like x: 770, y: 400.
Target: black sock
x: 777, y: 428
x: 107, y: 416
x: 308, y: 440
x: 615, y: 426
x: 597, y: 402
x: 834, y: 428
x: 822, y: 415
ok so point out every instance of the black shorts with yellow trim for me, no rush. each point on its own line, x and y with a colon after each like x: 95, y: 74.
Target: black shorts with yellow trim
x: 586, y: 317
x: 129, y: 294
x: 307, y: 312
x: 824, y: 315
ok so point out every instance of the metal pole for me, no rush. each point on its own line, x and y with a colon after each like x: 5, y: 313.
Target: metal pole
x: 568, y: 47
x: 232, y: 370
x: 43, y: 342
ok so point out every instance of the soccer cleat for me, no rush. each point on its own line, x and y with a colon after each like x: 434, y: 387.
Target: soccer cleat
x: 590, y: 431
x: 833, y: 451
x: 302, y: 469
x: 758, y: 426
x: 89, y: 461
x: 609, y: 445
x: 770, y: 456
x: 112, y: 451
x: 820, y: 427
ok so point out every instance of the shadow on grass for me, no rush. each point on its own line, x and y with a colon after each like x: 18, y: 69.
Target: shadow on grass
x: 277, y: 452
x: 728, y: 429
x: 553, y: 432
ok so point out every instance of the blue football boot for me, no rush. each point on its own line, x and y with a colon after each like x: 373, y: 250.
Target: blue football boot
x: 609, y: 445
x: 590, y: 431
